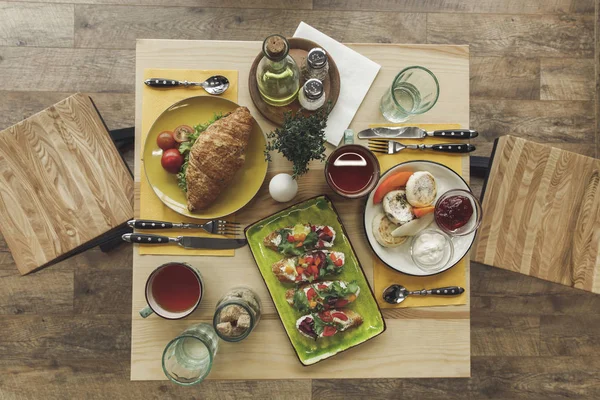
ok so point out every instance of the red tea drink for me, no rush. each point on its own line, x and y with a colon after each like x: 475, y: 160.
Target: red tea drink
x: 176, y: 288
x: 352, y: 171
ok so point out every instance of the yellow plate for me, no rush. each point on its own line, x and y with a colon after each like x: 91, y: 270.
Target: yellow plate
x: 247, y: 180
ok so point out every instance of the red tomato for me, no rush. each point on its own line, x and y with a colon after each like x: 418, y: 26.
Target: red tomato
x: 181, y: 133
x: 171, y: 160
x: 327, y: 231
x: 341, y: 303
x: 290, y: 238
x: 308, y: 260
x: 165, y: 140
x: 329, y: 331
x: 332, y: 256
x: 325, y: 316
x: 322, y: 286
x: 310, y: 293
x: 312, y: 269
x: 339, y: 315
x: 338, y: 262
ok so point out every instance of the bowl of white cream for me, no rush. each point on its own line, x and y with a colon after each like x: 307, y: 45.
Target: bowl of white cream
x: 431, y: 250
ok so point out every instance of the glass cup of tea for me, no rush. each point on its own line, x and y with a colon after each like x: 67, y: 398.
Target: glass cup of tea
x: 188, y: 358
x: 415, y: 90
x: 352, y: 170
x: 173, y: 291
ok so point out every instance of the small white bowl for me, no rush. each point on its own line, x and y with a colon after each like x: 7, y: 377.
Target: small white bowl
x: 439, y: 265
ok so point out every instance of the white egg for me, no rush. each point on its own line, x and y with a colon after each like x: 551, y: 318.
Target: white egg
x: 283, y: 188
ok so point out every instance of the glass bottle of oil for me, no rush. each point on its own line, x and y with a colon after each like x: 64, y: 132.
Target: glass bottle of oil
x: 278, y: 75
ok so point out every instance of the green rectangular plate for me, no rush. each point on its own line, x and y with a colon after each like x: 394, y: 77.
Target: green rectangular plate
x: 318, y: 210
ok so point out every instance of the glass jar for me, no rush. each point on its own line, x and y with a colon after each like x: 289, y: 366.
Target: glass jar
x: 188, y: 358
x: 316, y: 65
x: 277, y: 75
x: 236, y: 314
x: 312, y: 96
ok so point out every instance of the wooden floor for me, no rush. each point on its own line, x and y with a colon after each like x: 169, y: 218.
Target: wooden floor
x: 65, y: 331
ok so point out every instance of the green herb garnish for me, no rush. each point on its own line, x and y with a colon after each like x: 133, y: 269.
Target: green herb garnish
x: 300, y: 139
x: 185, y: 147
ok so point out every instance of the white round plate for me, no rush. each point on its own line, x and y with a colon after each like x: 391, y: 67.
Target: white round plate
x: 399, y: 257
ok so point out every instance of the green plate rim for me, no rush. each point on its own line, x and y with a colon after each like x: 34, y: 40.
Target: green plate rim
x: 328, y: 199
x: 190, y: 215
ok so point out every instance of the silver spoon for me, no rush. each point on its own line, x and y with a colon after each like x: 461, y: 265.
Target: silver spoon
x: 214, y: 85
x: 395, y: 294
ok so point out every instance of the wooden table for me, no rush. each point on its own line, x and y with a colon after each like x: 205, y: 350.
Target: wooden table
x: 426, y: 342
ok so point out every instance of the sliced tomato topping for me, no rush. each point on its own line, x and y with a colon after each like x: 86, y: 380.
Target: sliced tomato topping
x: 327, y: 231
x: 339, y: 262
x: 332, y: 256
x: 341, y: 303
x: 312, y: 269
x: 311, y: 293
x: 339, y: 315
x: 290, y: 238
x: 308, y: 260
x: 321, y: 244
x: 325, y: 316
x: 321, y: 286
x: 329, y: 331
x: 299, y: 270
x: 298, y: 278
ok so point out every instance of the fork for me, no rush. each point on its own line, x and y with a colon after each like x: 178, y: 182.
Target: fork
x: 216, y: 226
x: 393, y: 147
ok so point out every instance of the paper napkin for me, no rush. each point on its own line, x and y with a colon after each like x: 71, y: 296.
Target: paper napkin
x: 357, y: 73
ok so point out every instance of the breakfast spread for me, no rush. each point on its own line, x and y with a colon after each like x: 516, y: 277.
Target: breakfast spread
x: 322, y: 295
x: 309, y: 266
x: 295, y: 240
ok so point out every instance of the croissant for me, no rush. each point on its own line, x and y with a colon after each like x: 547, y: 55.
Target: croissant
x: 216, y: 156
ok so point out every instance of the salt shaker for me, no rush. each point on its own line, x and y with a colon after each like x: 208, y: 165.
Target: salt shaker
x: 316, y: 65
x: 312, y: 95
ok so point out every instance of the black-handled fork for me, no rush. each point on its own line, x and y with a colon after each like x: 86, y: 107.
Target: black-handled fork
x: 393, y: 147
x: 216, y: 227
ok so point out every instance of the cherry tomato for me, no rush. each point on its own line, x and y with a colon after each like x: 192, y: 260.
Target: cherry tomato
x: 321, y: 286
x: 299, y: 270
x: 338, y: 262
x: 325, y: 316
x: 182, y: 132
x: 329, y: 331
x: 340, y: 316
x: 171, y: 160
x: 310, y: 293
x: 290, y: 238
x: 165, y: 140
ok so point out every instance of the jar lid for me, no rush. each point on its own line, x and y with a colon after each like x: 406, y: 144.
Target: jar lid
x: 317, y: 58
x: 275, y: 47
x: 313, y: 89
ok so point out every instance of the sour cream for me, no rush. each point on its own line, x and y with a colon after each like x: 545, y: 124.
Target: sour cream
x: 431, y: 250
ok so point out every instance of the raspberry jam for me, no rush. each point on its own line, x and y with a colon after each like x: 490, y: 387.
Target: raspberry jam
x: 454, y: 212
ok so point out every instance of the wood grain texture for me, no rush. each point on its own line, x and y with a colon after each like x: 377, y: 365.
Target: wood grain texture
x: 542, y: 214
x: 505, y: 78
x: 458, y: 6
x: 517, y: 35
x: 39, y: 25
x: 409, y: 335
x: 119, y: 27
x: 62, y: 183
x: 567, y: 79
x: 66, y: 70
x: 277, y: 4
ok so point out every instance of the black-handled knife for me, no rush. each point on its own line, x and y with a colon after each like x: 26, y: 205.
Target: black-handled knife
x: 188, y: 242
x: 413, y: 132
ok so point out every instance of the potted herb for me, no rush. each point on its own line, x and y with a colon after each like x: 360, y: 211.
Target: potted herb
x: 300, y: 139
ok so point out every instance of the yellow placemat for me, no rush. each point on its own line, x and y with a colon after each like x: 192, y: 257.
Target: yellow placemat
x: 154, y: 102
x: 383, y: 276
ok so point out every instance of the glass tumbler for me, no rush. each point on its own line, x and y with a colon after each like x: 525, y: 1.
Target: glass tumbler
x: 188, y: 358
x: 414, y: 91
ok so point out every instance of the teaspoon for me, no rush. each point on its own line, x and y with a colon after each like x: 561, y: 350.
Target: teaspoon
x: 214, y: 85
x: 395, y: 294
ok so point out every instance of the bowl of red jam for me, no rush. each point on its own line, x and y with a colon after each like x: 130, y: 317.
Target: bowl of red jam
x: 458, y: 212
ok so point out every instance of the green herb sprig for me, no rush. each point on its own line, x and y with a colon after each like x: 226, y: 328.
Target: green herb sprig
x: 300, y: 139
x: 185, y: 147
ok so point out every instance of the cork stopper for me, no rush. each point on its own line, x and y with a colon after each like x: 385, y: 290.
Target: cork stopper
x: 275, y: 47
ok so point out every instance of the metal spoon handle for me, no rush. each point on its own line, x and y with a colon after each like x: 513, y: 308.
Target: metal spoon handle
x: 443, y: 291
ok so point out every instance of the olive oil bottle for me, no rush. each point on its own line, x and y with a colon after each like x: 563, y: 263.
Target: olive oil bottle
x: 277, y: 75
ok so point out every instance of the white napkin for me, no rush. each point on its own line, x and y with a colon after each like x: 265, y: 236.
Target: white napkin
x: 357, y: 73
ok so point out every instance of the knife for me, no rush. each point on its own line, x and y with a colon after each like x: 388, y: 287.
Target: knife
x: 413, y: 132
x: 188, y: 242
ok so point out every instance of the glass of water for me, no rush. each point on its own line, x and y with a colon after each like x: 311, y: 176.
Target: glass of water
x: 414, y: 91
x: 188, y: 358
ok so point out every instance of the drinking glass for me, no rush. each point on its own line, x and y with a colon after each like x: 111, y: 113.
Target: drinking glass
x: 188, y: 358
x: 414, y: 91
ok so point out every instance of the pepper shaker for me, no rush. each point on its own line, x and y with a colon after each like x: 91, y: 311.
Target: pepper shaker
x: 316, y: 65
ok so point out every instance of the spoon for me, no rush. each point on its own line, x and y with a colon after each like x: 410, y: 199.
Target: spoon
x: 216, y: 84
x: 395, y: 294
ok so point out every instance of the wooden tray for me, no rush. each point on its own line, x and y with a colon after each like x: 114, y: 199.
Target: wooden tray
x: 542, y: 214
x: 299, y: 49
